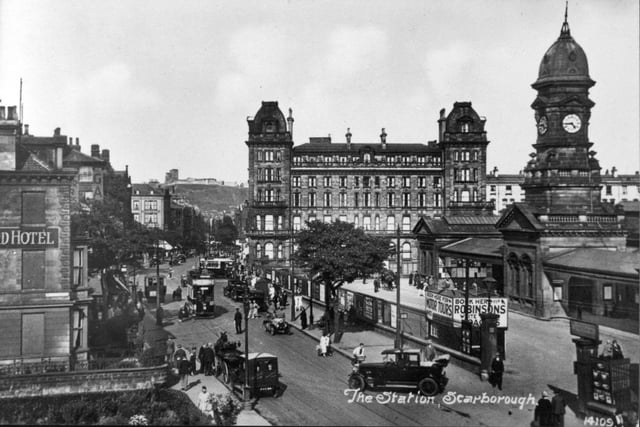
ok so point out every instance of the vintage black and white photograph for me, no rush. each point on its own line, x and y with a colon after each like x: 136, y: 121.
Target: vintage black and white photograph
x: 301, y: 213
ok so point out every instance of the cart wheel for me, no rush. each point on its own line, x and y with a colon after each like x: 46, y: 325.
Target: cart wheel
x: 225, y: 374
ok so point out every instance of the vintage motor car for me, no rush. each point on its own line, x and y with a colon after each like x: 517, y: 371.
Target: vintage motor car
x: 402, y: 368
x: 234, y: 290
x: 276, y: 324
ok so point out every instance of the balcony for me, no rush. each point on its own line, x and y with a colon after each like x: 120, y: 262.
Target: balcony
x: 272, y: 204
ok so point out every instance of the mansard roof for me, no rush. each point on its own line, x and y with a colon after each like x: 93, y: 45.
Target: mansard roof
x: 355, y: 148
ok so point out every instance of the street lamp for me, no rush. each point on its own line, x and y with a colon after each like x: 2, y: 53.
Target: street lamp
x: 398, y: 340
x: 245, y: 389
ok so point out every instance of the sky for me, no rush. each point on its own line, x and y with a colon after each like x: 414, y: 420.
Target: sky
x: 170, y: 84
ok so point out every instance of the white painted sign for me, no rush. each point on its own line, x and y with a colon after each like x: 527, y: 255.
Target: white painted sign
x: 478, y: 306
x: 438, y: 304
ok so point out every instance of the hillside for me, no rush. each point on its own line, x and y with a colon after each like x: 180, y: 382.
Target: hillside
x: 211, y: 199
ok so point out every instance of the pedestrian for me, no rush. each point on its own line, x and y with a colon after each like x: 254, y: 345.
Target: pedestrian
x: 238, y: 321
x: 283, y: 300
x: 193, y: 357
x: 209, y: 359
x: 298, y: 298
x: 376, y: 284
x: 110, y: 313
x: 497, y: 370
x: 324, y: 345
x: 616, y: 350
x: 358, y: 354
x: 543, y: 414
x: 411, y: 275
x: 170, y: 349
x: 201, y: 357
x: 184, y: 366
x: 303, y: 318
x: 428, y: 353
x: 558, y: 405
x: 203, y: 401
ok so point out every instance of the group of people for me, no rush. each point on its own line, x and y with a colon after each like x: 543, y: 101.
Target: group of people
x: 185, y: 362
x: 550, y: 413
x: 612, y: 350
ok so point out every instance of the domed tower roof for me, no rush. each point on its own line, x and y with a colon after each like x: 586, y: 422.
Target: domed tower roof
x: 268, y: 120
x: 564, y: 61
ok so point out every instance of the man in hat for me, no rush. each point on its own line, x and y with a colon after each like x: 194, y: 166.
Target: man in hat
x: 497, y: 369
x: 557, y: 405
x: 544, y: 411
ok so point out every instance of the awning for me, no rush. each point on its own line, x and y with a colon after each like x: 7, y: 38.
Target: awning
x: 475, y: 247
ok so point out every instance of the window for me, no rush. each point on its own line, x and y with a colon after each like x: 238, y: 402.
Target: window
x: 356, y: 200
x: 343, y: 200
x: 85, y: 174
x: 268, y: 250
x: 268, y: 156
x: 136, y: 205
x: 366, y: 181
x: 377, y: 200
x: 391, y: 223
x: 406, y: 251
x: 437, y: 200
x: 343, y: 182
x: 150, y: 205
x: 312, y: 181
x: 268, y: 196
x: 33, y: 269
x: 296, y: 223
x: 406, y: 223
x: 342, y: 218
x: 366, y: 222
x: 376, y: 181
x: 33, y: 208
x: 624, y: 189
x: 406, y: 181
x: 258, y: 222
x: 327, y: 181
x: 376, y: 224
x: 356, y: 181
x: 296, y: 200
x: 367, y: 158
x: 456, y: 156
x: 280, y: 251
x: 327, y: 219
x: 507, y: 190
x: 367, y: 200
x: 78, y: 267
x: 464, y: 156
x: 406, y: 160
x: 492, y: 188
x: 327, y: 200
x: 437, y: 182
x: 464, y: 196
x: 391, y: 181
x: 268, y: 223
x: 475, y: 156
x: 32, y: 334
x: 421, y: 160
x: 422, y: 181
x: 258, y: 250
x: 260, y: 155
x: 152, y: 219
x: 422, y: 200
x: 296, y: 181
x: 475, y: 196
x: 608, y: 190
x: 312, y: 200
x: 390, y: 200
x: 464, y: 128
x: 77, y: 325
x: 356, y: 221
x: 278, y: 156
x: 136, y: 217
x: 406, y: 200
x: 311, y: 218
x: 475, y: 174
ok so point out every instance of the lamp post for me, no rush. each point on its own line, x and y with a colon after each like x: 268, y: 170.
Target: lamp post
x: 158, y: 291
x: 245, y: 389
x: 398, y: 340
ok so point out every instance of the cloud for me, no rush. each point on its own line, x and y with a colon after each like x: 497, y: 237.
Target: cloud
x: 351, y: 50
x: 113, y: 87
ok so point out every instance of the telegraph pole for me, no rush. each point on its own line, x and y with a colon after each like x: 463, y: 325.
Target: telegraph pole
x: 398, y: 341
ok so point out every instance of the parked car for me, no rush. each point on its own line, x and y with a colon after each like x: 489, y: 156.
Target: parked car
x: 234, y: 290
x: 402, y: 368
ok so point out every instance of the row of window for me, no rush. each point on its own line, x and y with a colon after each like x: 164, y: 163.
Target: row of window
x: 268, y: 155
x: 465, y: 175
x: 270, y: 251
x: 368, y: 200
x: 149, y: 205
x: 366, y: 224
x: 149, y: 218
x: 406, y: 160
x: 367, y: 181
x: 465, y: 156
x: 465, y: 195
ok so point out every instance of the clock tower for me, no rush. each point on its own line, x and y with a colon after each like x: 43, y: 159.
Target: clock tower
x: 563, y: 175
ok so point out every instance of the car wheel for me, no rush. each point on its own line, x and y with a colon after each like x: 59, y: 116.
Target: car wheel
x: 272, y: 330
x: 356, y: 382
x: 428, y: 387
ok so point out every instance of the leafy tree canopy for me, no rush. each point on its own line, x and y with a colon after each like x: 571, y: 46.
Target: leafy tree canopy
x: 339, y: 252
x: 226, y: 231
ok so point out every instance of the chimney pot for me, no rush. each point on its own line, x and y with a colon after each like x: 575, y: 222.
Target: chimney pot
x: 26, y: 129
x: 56, y: 132
x: 2, y: 113
x: 105, y: 155
x: 95, y: 150
x: 383, y: 137
x: 11, y: 113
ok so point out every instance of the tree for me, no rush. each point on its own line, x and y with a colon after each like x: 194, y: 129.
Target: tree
x: 339, y: 253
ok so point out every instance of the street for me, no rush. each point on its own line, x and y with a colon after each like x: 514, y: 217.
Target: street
x: 314, y: 389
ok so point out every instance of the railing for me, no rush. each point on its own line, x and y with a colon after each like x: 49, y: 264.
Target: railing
x: 263, y: 204
x: 600, y: 218
x: 29, y: 367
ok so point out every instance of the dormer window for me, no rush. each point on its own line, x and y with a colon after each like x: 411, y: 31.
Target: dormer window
x: 367, y: 158
x: 269, y: 127
x: 464, y: 127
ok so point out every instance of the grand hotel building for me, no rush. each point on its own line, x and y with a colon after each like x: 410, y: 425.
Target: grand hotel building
x: 381, y: 187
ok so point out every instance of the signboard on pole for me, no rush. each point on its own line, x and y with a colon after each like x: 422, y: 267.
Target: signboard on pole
x: 584, y: 330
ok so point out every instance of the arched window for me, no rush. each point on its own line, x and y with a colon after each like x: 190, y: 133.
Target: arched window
x: 268, y: 250
x: 406, y: 250
x: 391, y: 223
x: 258, y: 222
x: 258, y: 250
x: 280, y: 251
x: 376, y: 224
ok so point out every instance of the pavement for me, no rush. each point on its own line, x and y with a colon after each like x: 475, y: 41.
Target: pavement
x: 541, y: 356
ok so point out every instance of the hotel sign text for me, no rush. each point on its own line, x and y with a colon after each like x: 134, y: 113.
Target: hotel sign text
x: 27, y: 238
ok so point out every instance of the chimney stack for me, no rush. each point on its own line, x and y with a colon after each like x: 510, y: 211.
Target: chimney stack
x: 78, y: 144
x: 613, y: 171
x: 56, y: 132
x: 26, y: 129
x: 9, y: 129
x: 348, y: 136
x: 2, y: 112
x: 290, y: 122
x: 11, y: 113
x: 95, y: 150
x: 441, y: 122
x: 105, y: 155
x: 383, y: 139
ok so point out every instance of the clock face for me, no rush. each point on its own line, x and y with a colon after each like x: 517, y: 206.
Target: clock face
x: 571, y: 123
x: 542, y: 125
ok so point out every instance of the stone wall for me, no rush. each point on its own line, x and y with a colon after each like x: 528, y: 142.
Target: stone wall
x: 82, y: 382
